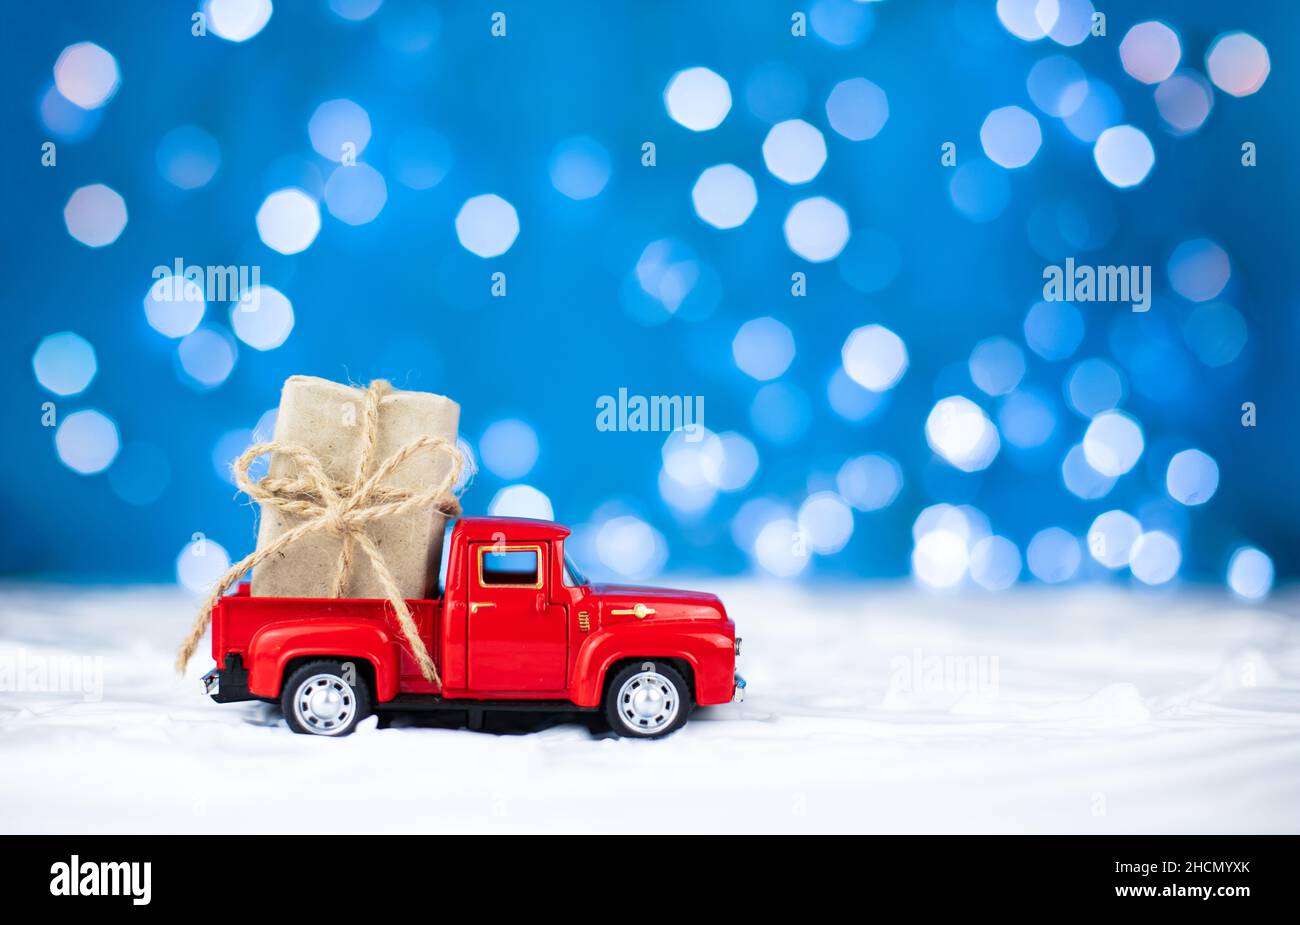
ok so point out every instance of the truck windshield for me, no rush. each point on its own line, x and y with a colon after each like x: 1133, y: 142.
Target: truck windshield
x: 573, y: 577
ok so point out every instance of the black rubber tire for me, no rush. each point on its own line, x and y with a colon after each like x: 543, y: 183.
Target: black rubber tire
x: 613, y: 716
x: 358, y: 688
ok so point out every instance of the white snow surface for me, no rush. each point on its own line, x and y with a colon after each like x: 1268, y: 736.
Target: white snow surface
x: 1080, y: 710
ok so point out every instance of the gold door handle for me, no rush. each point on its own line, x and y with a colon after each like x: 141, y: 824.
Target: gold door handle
x: 474, y: 608
x: 638, y: 610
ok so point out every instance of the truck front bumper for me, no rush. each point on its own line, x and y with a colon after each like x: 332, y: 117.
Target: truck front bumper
x: 738, y: 695
x: 228, y: 684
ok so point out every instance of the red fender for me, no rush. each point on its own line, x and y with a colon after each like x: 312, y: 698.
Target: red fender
x: 701, y: 651
x: 275, y: 645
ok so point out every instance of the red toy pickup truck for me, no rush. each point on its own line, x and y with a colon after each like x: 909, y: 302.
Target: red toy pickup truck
x: 517, y: 628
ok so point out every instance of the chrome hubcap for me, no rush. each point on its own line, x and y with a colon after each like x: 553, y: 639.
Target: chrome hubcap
x: 647, y: 702
x: 325, y: 704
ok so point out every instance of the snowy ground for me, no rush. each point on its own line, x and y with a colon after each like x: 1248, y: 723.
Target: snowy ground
x: 876, y: 708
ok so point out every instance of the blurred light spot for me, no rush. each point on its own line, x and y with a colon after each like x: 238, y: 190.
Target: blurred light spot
x: 338, y: 128
x: 775, y: 92
x: 794, y: 151
x: 1010, y: 137
x: 997, y: 366
x: 1192, y: 477
x: 874, y: 357
x: 410, y: 27
x: 816, y: 229
x: 995, y: 563
x: 1019, y: 17
x: 421, y: 157
x: 780, y: 412
x: 487, y: 225
x: 521, y: 501
x: 227, y: 449
x: 870, y: 261
x: 1057, y: 85
x: 264, y: 319
x: 964, y: 521
x: 843, y: 23
x: 237, y: 20
x: 850, y: 400
x: 668, y: 281
x: 86, y: 441
x: 698, y: 99
x: 1081, y: 479
x: 201, y: 564
x: 141, y: 475
x: 1053, y: 555
x: 1053, y: 330
x: 1026, y: 419
x: 1113, y: 443
x: 174, y: 305
x: 779, y: 549
x: 631, y: 547
x: 95, y: 215
x: 1124, y: 155
x: 1094, y: 386
x: 1150, y: 51
x: 86, y: 75
x: 579, y: 167
x: 692, y: 461
x: 355, y: 10
x: 1199, y: 269
x: 1237, y: 63
x: 1250, y: 573
x: 959, y: 431
x: 64, y: 118
x: 1099, y: 110
x: 1216, y: 333
x: 739, y: 463
x: 207, y: 357
x: 1111, y: 538
x: 940, y: 559
x: 979, y: 191
x: 763, y: 348
x: 724, y: 196
x: 509, y: 448
x: 826, y: 521
x: 188, y: 157
x: 1184, y: 102
x: 355, y: 195
x: 752, y: 516
x: 688, y: 500
x: 870, y: 482
x: 466, y: 451
x: 288, y: 221
x: 1156, y: 558
x: 857, y: 109
x: 1066, y: 22
x: 64, y: 363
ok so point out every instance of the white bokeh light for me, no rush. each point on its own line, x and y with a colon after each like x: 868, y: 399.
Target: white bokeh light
x: 263, y: 319
x: 1010, y: 137
x: 1192, y: 477
x: 579, y: 167
x: 1124, y: 155
x: 356, y: 194
x: 816, y: 229
x: 64, y: 363
x: 1184, y: 102
x: 763, y: 348
x: 940, y: 559
x: 237, y: 20
x: 174, y: 305
x: 1081, y: 479
x: 698, y: 99
x: 288, y: 221
x: 1250, y: 573
x: 1111, y: 538
x: 487, y: 225
x: 996, y: 366
x: 870, y: 482
x: 86, y: 74
x: 95, y: 215
x: 1053, y: 555
x: 724, y: 196
x: 826, y: 521
x: 630, y: 547
x: 1199, y: 270
x: 794, y: 151
x: 994, y: 563
x: 874, y: 357
x: 780, y: 549
x: 87, y: 441
x: 338, y: 129
x: 201, y: 564
x: 188, y: 157
x: 1156, y: 558
x: 1150, y: 51
x: 857, y: 109
x: 1113, y: 443
x: 1238, y: 63
x: 1020, y: 18
x: 521, y: 501
x: 207, y: 357
x: 1093, y: 386
x: 960, y: 432
x: 509, y: 448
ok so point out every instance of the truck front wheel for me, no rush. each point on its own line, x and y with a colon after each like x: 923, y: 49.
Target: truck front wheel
x: 647, y: 699
x: 325, y: 698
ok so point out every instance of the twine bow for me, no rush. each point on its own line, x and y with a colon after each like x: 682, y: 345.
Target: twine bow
x: 342, y: 510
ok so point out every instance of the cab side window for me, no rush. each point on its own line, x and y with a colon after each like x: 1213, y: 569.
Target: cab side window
x: 509, y: 567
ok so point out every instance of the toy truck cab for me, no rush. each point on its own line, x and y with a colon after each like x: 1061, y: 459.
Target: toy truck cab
x: 518, y: 627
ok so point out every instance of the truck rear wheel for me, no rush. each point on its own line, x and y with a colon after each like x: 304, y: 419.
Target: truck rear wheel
x: 647, y: 699
x: 325, y: 698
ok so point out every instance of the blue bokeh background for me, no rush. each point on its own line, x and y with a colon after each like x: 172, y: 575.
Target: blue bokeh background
x: 399, y: 297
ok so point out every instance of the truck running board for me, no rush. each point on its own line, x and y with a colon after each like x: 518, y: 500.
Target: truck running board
x: 434, y: 702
